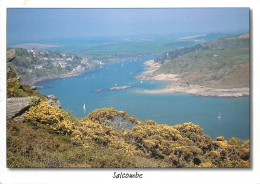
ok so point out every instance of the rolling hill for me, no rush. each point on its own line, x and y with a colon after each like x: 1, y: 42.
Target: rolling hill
x: 221, y: 63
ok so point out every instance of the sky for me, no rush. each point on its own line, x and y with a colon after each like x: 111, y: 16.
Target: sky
x: 32, y: 24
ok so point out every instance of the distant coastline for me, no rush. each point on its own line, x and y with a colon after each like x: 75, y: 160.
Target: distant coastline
x: 33, y: 45
x: 177, y: 86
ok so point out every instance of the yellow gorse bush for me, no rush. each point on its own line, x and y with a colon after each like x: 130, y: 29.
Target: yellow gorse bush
x: 14, y: 88
x: 88, y: 132
x: 181, y: 145
x: 55, y: 118
x: 207, y: 165
x: 105, y: 114
x: 155, y: 139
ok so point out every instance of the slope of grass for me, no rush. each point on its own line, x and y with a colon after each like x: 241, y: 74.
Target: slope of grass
x: 218, y: 64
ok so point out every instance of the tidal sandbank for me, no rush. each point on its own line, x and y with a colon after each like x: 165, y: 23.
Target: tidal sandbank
x: 200, y: 91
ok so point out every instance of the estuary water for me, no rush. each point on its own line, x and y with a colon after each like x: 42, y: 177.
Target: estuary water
x: 170, y: 109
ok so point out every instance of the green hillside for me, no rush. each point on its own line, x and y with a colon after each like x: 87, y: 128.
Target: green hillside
x: 222, y: 63
x: 138, y: 47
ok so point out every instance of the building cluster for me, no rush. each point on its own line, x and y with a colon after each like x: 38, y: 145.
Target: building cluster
x: 62, y: 60
x: 37, y: 52
x: 60, y: 63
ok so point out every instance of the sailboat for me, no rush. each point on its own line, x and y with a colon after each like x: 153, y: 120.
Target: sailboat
x: 219, y: 116
x: 84, y: 106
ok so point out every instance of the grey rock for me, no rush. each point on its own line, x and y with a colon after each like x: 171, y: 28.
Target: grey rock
x: 33, y: 87
x: 53, y: 100
x: 10, y: 54
x: 17, y: 106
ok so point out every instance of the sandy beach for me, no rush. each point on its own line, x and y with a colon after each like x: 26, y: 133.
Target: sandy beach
x: 176, y: 85
x: 150, y: 68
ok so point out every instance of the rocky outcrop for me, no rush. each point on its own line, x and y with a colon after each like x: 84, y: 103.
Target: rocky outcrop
x: 53, y: 100
x: 17, y: 106
x: 10, y: 54
x: 114, y: 88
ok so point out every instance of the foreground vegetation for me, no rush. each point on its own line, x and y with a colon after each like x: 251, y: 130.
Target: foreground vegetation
x: 51, y: 137
x: 16, y: 89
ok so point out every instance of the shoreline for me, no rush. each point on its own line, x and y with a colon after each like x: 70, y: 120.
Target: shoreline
x: 177, y: 86
x: 52, y: 77
x: 150, y: 68
x: 34, y: 82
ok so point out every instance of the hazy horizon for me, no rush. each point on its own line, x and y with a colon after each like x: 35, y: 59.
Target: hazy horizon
x: 33, y: 24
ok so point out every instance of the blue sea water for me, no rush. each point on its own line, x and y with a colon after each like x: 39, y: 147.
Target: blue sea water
x: 170, y: 109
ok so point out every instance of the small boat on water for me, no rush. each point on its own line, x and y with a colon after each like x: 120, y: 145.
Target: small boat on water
x: 84, y: 106
x: 219, y: 116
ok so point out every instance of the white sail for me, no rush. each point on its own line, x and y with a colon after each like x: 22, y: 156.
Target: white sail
x: 219, y: 116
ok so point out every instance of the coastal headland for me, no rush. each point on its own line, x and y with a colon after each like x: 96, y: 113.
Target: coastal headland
x: 178, y: 86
